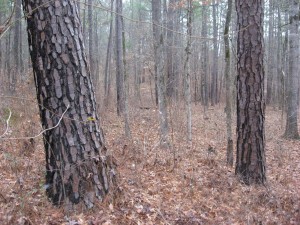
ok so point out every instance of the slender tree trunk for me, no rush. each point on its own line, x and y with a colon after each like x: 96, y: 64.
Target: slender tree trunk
x: 17, y: 41
x: 271, y: 56
x: 108, y: 58
x: 119, y: 60
x: 228, y: 81
x: 77, y: 166
x: 187, y: 79
x: 204, y: 60
x: 126, y: 84
x: 291, y: 129
x: 250, y: 163
x: 214, y: 83
x: 160, y: 84
x: 169, y: 48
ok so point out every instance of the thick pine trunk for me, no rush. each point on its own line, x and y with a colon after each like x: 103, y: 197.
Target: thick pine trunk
x: 77, y: 168
x: 250, y: 164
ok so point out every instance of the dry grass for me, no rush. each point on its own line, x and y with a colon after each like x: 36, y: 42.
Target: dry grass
x: 184, y: 184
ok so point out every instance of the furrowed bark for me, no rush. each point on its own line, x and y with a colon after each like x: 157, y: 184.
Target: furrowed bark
x: 77, y: 167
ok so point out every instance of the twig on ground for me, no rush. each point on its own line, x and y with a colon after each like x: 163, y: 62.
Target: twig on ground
x: 43, y: 131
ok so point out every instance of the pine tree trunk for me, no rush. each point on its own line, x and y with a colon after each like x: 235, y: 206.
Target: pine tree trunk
x: 77, y: 167
x: 250, y: 163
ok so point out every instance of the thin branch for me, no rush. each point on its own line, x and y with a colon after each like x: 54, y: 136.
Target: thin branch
x: 7, y: 123
x: 43, y: 131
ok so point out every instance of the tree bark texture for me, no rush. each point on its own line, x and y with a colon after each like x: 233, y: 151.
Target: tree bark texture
x: 77, y: 167
x: 91, y: 41
x: 291, y: 130
x: 250, y: 163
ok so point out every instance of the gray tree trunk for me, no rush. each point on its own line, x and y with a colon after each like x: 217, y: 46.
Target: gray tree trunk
x: 214, y: 83
x: 204, y: 59
x: 159, y: 68
x: 291, y: 129
x: 119, y: 60
x: 170, y: 48
x: 228, y: 81
x: 187, y: 78
x: 17, y: 43
x: 107, y: 69
x: 271, y: 73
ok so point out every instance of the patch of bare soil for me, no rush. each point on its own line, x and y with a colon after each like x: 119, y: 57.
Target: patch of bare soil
x: 180, y: 184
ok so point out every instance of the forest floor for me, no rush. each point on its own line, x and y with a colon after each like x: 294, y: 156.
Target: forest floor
x: 184, y: 184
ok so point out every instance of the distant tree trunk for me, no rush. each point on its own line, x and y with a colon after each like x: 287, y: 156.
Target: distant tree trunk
x: 250, y: 163
x: 119, y: 60
x: 126, y: 84
x: 138, y: 63
x: 280, y: 83
x: 158, y: 56
x: 271, y: 56
x: 228, y: 81
x: 170, y: 52
x: 291, y: 129
x: 204, y: 59
x: 7, y: 68
x: 108, y: 58
x: 17, y: 41
x: 187, y: 78
x: 77, y: 167
x: 214, y: 83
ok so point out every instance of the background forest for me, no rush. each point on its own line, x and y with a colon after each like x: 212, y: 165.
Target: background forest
x: 165, y: 79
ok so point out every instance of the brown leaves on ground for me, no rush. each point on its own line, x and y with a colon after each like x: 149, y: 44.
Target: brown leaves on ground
x: 183, y: 184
